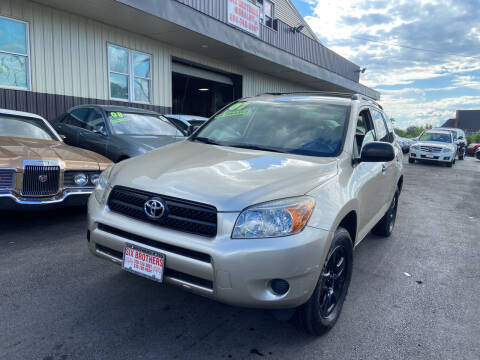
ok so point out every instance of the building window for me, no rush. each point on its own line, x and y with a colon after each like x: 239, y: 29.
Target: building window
x: 14, y: 54
x: 130, y: 74
x: 267, y: 12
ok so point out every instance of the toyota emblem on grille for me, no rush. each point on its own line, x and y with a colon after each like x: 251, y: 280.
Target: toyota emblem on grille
x: 154, y: 208
x: 42, y: 178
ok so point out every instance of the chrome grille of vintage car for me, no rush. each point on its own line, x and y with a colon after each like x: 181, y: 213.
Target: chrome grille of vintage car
x: 7, y: 179
x: 430, y: 148
x: 40, y: 181
x: 182, y: 215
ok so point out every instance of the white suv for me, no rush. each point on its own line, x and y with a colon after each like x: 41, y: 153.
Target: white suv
x: 434, y: 145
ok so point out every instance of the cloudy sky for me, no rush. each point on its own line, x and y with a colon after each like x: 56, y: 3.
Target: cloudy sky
x: 418, y: 86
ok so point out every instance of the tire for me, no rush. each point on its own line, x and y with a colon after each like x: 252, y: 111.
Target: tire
x: 318, y: 315
x: 387, y: 223
x: 411, y: 161
x: 450, y: 164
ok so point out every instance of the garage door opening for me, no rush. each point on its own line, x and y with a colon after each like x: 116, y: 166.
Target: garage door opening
x: 201, y: 92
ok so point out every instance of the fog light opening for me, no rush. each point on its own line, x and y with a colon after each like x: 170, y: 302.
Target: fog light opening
x: 279, y: 286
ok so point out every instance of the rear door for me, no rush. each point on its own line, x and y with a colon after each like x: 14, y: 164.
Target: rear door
x: 71, y: 125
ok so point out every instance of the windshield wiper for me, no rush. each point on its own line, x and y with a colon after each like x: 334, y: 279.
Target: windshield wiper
x: 256, y: 147
x: 204, y: 140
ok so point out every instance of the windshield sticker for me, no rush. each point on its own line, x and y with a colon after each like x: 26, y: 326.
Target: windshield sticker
x: 237, y: 109
x: 116, y: 117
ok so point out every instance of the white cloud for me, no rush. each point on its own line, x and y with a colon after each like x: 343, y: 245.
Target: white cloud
x: 448, y: 28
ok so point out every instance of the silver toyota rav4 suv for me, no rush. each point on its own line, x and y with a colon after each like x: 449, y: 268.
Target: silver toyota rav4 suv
x: 261, y: 207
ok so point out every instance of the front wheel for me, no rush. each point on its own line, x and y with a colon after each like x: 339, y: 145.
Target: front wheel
x: 320, y: 313
x: 411, y: 161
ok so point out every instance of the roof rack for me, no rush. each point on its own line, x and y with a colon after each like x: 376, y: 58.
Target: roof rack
x: 352, y: 96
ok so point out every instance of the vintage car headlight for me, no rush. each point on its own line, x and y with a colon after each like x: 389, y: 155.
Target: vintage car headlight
x: 273, y: 219
x: 102, y: 184
x: 94, y: 179
x: 80, y: 179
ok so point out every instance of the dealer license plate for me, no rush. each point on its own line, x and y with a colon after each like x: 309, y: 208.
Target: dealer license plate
x: 429, y: 156
x: 144, y: 262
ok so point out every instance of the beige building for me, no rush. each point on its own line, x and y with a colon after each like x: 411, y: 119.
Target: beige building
x: 181, y: 56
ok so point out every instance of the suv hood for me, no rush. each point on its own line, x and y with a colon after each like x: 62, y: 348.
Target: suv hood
x: 150, y: 142
x: 434, y: 143
x: 228, y: 178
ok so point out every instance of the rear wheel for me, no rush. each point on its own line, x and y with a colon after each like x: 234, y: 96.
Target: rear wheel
x: 387, y: 223
x: 320, y: 313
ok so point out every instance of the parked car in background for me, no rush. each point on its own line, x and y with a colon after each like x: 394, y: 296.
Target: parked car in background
x: 477, y: 153
x: 117, y: 132
x: 459, y: 138
x: 434, y: 145
x: 404, y: 143
x: 37, y: 169
x: 255, y: 209
x: 472, y: 148
x: 186, y: 123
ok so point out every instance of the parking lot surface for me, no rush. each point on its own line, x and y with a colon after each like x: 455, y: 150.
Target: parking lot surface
x: 413, y: 295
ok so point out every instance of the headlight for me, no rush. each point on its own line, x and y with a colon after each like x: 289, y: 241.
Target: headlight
x: 275, y: 218
x: 415, y: 147
x: 94, y: 179
x: 446, y: 150
x: 80, y: 179
x: 102, y: 185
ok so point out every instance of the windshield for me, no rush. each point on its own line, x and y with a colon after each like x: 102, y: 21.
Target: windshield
x: 25, y: 128
x: 290, y: 125
x: 446, y: 138
x: 140, y: 124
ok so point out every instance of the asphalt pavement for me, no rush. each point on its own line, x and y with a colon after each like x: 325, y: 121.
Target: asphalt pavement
x: 415, y: 295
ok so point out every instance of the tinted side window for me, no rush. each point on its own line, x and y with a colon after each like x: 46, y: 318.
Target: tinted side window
x: 96, y: 121
x: 77, y: 117
x: 380, y: 129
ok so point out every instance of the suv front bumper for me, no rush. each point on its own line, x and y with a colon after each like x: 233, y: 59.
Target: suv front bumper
x: 237, y: 272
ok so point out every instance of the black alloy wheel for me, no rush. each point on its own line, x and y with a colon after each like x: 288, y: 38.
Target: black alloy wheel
x: 387, y: 223
x: 320, y: 313
x: 333, y: 281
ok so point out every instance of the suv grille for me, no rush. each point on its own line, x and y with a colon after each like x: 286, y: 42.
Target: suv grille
x: 40, y: 180
x: 182, y: 215
x: 430, y: 148
x: 7, y: 179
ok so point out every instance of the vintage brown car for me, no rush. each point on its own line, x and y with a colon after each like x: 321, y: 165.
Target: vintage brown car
x: 37, y: 169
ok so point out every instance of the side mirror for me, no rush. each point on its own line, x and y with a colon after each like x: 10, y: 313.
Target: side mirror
x: 100, y: 132
x: 460, y: 138
x: 190, y: 130
x: 377, y: 151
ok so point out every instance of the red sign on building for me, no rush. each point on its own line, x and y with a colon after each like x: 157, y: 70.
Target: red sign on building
x: 244, y: 15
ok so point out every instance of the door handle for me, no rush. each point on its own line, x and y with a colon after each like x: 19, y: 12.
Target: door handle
x: 384, y: 168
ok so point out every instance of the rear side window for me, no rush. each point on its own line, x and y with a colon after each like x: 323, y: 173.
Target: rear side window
x: 380, y: 128
x: 77, y: 118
